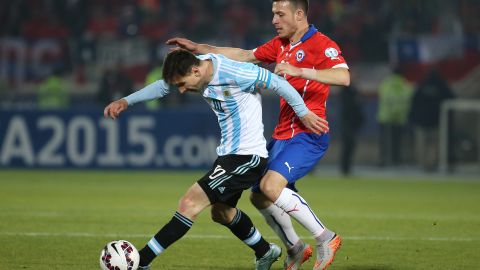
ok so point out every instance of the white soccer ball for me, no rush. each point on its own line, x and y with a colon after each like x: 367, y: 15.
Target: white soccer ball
x: 119, y: 255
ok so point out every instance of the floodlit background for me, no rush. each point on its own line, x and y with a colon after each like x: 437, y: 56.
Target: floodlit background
x: 399, y: 182
x: 61, y: 62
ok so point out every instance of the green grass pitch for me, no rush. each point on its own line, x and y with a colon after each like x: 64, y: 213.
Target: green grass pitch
x: 61, y: 220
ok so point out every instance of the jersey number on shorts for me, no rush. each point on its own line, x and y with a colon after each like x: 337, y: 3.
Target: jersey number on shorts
x: 217, y: 172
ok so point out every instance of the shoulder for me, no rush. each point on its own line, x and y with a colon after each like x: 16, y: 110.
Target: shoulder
x: 322, y: 37
x: 238, y: 70
x: 323, y: 45
x: 276, y: 42
x: 321, y: 41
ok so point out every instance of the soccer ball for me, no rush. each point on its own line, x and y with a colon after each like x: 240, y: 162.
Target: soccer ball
x: 119, y: 255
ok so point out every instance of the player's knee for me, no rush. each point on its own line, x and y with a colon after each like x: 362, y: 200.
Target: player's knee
x: 188, y: 207
x: 267, y: 187
x: 259, y: 200
x: 271, y: 188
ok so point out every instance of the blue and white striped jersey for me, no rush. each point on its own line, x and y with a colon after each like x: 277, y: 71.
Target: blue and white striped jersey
x: 233, y: 94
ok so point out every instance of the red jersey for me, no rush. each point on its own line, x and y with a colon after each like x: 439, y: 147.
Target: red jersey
x: 314, y: 50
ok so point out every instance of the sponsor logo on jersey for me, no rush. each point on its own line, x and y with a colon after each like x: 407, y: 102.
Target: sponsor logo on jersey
x: 300, y: 55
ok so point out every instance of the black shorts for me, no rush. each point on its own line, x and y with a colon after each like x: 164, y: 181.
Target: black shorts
x: 230, y: 176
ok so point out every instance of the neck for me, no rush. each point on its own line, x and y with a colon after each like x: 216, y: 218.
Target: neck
x: 207, y: 70
x: 299, y: 33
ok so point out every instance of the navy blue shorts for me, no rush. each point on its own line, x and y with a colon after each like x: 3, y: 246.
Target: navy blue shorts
x: 296, y: 157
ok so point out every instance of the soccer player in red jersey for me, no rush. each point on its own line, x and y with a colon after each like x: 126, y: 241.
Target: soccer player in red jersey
x: 311, y: 62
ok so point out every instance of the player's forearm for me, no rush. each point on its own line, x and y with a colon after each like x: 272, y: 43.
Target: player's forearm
x: 154, y: 90
x: 236, y: 54
x: 333, y: 76
x: 291, y: 96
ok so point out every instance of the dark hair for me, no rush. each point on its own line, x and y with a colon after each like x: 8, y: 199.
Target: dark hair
x: 302, y: 4
x: 178, y: 63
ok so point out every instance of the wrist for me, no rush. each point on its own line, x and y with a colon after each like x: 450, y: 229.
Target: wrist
x: 202, y: 49
x: 309, y: 73
x: 302, y: 111
x: 197, y: 49
x: 124, y: 101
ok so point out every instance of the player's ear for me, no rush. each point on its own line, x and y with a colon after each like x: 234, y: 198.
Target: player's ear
x: 299, y: 15
x: 196, y: 71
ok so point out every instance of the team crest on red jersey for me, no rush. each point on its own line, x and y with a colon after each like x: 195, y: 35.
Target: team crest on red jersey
x: 300, y: 55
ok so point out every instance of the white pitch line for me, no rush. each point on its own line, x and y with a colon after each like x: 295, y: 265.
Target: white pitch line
x: 366, y: 216
x: 219, y: 236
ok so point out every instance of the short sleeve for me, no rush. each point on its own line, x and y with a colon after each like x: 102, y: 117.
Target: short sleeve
x: 331, y: 56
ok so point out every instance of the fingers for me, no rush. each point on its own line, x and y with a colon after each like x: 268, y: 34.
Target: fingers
x: 117, y: 112
x: 172, y: 41
x: 111, y: 111
x: 174, y: 49
x: 321, y: 125
x: 283, y: 69
x: 322, y: 128
x: 180, y: 43
x: 279, y: 70
x: 315, y: 123
x: 279, y: 67
x: 317, y: 129
x: 106, y: 112
x: 112, y: 114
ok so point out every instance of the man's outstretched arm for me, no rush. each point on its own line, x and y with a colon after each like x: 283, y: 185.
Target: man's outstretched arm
x: 232, y: 53
x: 154, y: 90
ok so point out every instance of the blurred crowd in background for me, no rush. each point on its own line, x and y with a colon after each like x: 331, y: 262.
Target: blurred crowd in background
x: 63, y: 53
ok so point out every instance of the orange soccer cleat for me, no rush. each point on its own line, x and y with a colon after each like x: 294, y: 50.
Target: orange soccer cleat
x: 293, y: 261
x: 326, y: 251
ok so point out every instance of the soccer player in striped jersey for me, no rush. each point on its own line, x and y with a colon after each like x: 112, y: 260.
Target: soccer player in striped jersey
x: 310, y: 61
x: 232, y: 90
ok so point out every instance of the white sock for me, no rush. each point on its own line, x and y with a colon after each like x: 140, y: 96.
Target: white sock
x: 281, y: 223
x: 294, y: 205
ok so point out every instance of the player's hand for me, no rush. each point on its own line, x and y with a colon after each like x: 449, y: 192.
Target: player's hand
x: 315, y: 123
x: 184, y: 44
x: 115, y: 108
x: 286, y: 68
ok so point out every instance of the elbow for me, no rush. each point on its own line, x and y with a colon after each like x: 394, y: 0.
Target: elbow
x: 342, y: 77
x: 346, y: 79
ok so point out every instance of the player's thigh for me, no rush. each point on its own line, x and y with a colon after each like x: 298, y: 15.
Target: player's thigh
x: 230, y: 176
x: 274, y: 148
x: 299, y: 155
x: 193, y: 202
